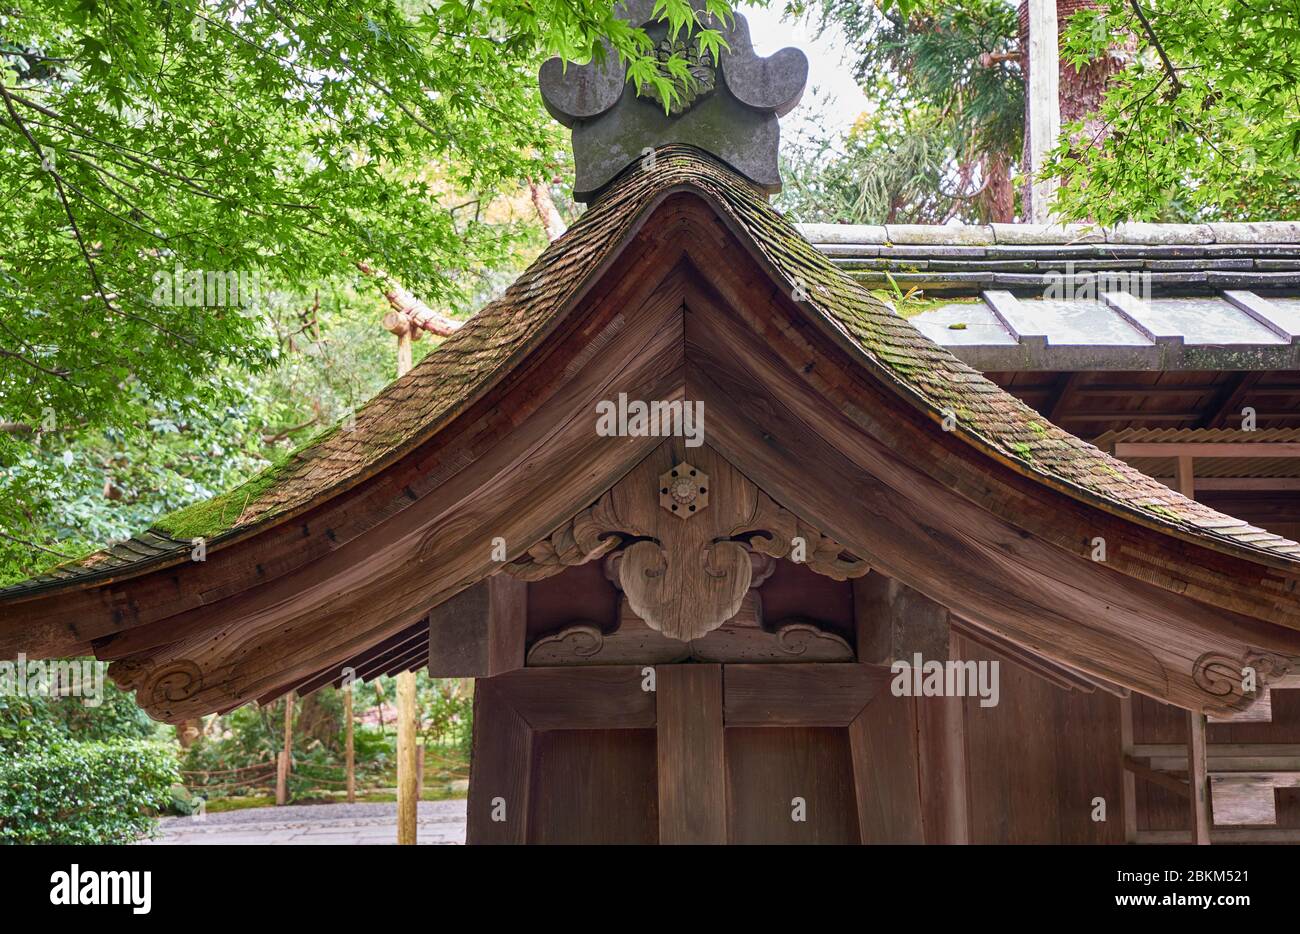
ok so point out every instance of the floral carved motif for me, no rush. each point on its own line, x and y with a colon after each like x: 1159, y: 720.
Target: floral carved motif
x: 685, y: 578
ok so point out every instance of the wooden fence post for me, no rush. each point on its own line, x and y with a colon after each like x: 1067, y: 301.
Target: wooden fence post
x: 350, y: 750
x: 407, y: 792
x: 286, y: 754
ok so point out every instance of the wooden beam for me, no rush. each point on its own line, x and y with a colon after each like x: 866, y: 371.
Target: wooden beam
x: 597, y: 697
x: 811, y: 694
x: 1186, y: 476
x: 1241, y: 484
x: 500, y: 762
x: 1224, y: 757
x: 1259, y: 712
x: 335, y: 674
x: 1120, y: 416
x: 1236, y: 835
x: 1248, y: 798
x: 377, y: 665
x: 1064, y: 677
x: 479, y: 633
x: 1133, y: 392
x: 895, y: 622
x: 417, y: 657
x: 1127, y: 449
x: 1134, y: 768
x: 1061, y: 395
x: 1198, y: 782
x: 1232, y: 401
x: 691, y: 754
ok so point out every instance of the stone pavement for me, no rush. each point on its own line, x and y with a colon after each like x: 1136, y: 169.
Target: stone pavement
x: 345, y: 824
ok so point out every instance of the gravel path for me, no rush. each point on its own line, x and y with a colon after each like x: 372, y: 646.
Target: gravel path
x: 439, y: 822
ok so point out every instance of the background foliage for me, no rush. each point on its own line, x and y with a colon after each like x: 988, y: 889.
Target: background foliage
x: 1203, y: 124
x: 72, y: 773
x: 944, y: 125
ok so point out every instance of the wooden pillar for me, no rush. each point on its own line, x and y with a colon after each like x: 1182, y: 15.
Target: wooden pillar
x: 941, y: 764
x: 404, y: 352
x: 286, y: 754
x: 1044, y: 99
x: 1129, y: 779
x: 691, y: 754
x: 1197, y: 779
x: 407, y: 727
x: 1186, y: 477
x: 896, y: 623
x: 497, y: 810
x: 350, y: 755
x: 882, y: 741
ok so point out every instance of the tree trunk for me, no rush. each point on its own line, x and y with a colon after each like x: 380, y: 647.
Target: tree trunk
x: 552, y: 223
x: 1081, y: 90
x: 187, y: 731
x: 999, y: 193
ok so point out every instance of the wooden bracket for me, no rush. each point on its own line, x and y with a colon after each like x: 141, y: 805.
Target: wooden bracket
x: 685, y: 578
x: 479, y: 632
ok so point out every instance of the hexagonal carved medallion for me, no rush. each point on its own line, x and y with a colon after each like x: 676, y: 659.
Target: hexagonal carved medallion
x: 684, y: 490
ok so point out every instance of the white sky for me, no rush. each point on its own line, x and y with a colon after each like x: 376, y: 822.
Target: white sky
x: 831, y: 88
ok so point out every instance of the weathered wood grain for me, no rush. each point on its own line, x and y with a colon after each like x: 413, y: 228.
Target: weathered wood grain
x: 500, y: 763
x: 817, y: 694
x: 692, y: 775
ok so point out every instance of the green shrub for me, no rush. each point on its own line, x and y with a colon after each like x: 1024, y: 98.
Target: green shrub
x: 67, y: 792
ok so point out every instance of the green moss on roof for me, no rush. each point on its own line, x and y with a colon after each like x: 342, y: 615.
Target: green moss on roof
x: 211, y: 517
x: 911, y: 306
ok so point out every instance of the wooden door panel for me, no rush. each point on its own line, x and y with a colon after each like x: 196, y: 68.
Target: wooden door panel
x: 767, y: 768
x: 593, y: 786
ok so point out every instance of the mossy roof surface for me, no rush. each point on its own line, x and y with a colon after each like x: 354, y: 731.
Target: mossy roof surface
x: 411, y: 409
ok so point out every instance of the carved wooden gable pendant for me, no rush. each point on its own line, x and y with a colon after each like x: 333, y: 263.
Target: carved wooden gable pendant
x: 681, y: 526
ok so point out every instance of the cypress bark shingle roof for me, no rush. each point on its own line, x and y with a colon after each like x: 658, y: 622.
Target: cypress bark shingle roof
x: 413, y: 408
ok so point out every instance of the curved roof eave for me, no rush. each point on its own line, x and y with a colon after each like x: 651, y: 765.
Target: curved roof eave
x: 412, y: 410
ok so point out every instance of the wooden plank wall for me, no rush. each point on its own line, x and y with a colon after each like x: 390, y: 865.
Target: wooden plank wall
x: 1036, y: 761
x: 604, y: 761
x: 594, y: 786
x: 767, y: 769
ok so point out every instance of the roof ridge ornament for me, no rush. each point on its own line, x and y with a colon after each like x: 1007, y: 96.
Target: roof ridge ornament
x: 730, y: 111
